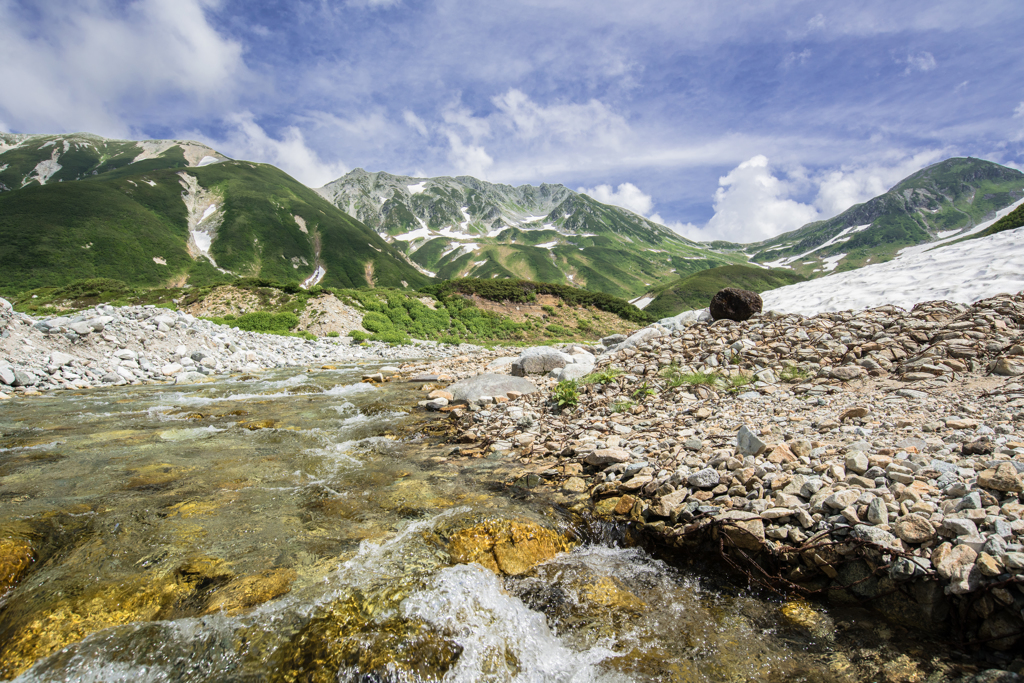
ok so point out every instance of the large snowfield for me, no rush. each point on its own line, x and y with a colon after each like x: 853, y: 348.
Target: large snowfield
x: 964, y: 272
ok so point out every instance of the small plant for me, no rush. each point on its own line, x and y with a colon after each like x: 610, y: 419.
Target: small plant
x: 550, y: 310
x: 641, y: 393
x: 358, y: 336
x: 566, y: 394
x: 708, y: 379
x: 735, y: 359
x: 622, y: 406
x: 793, y: 373
x: 737, y: 382
x: 606, y: 376
x: 333, y: 333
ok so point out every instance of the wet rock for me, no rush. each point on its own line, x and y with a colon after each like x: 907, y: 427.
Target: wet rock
x: 505, y: 546
x: 16, y: 556
x: 735, y: 304
x: 745, y: 529
x: 250, y: 591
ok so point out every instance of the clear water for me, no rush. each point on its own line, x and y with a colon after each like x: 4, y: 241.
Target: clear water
x: 298, y: 527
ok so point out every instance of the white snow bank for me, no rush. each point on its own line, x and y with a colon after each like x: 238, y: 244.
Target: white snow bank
x: 207, y: 160
x: 963, y: 272
x: 417, y: 188
x: 642, y: 301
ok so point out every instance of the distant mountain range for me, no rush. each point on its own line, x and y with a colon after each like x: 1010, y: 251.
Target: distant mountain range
x: 174, y: 213
x: 464, y: 227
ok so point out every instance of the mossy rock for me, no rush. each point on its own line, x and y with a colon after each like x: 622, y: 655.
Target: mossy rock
x: 505, y: 546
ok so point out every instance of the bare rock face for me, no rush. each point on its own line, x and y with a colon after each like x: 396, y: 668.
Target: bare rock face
x: 735, y: 304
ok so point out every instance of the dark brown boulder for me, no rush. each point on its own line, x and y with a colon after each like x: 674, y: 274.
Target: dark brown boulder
x: 735, y: 304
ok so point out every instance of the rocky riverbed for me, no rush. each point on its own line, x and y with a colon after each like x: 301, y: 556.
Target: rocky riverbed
x: 870, y: 456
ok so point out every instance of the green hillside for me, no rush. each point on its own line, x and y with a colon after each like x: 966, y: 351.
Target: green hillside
x: 695, y: 292
x: 948, y: 197
x: 131, y: 222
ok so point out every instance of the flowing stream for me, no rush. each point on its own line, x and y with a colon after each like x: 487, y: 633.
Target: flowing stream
x: 303, y: 526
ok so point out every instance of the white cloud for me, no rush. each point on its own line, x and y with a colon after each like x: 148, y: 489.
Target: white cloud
x: 816, y: 23
x: 840, y: 189
x: 796, y: 58
x: 628, y: 196
x: 922, y: 61
x: 593, y: 120
x: 751, y: 205
x: 80, y: 65
x: 468, y: 159
x: 248, y: 140
x: 415, y: 122
x: 1019, y: 111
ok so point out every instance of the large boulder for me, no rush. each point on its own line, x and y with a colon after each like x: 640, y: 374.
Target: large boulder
x: 735, y: 304
x: 472, y: 389
x: 539, y: 360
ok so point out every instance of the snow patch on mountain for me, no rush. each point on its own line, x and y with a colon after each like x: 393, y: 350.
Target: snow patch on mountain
x: 964, y: 272
x: 204, y: 217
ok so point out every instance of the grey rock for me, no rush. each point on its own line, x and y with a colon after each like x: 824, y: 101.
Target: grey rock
x: 960, y: 527
x: 871, y: 534
x: 470, y: 390
x: 612, y: 339
x: 60, y: 359
x: 607, y: 456
x: 704, y: 479
x: 857, y: 462
x: 539, y: 360
x: 190, y: 378
x: 748, y: 444
x: 912, y: 393
x: 81, y: 329
x: 24, y: 378
x: 972, y: 501
x: 7, y: 375
x: 842, y: 499
x: 877, y: 512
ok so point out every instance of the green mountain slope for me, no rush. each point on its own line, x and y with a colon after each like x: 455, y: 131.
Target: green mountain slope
x: 160, y: 221
x: 464, y: 227
x: 939, y: 202
x: 695, y: 292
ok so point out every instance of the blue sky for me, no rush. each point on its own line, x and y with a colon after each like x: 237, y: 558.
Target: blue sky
x: 725, y: 120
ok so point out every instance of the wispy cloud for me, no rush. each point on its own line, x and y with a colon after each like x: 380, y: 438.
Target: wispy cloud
x: 922, y: 61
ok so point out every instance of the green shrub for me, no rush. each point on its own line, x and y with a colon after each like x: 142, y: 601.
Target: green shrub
x: 641, y: 393
x: 333, y: 333
x: 566, y: 394
x: 377, y: 322
x: 264, y: 321
x: 550, y: 310
x: 358, y: 336
x: 391, y: 337
x: 737, y: 382
x: 558, y: 331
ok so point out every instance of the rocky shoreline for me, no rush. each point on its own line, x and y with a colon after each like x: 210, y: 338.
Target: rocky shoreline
x: 873, y: 456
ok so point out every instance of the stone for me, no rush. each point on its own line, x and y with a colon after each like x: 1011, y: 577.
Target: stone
x: 878, y: 514
x: 60, y: 359
x: 872, y: 534
x: 470, y: 390
x: 914, y: 528
x: 539, y: 360
x: 748, y: 444
x: 745, y: 529
x: 988, y: 565
x: 190, y: 378
x: 840, y: 500
x: 16, y: 556
x: 171, y: 369
x: 856, y: 411
x: 781, y: 454
x: 960, y: 527
x: 847, y: 373
x: 1003, y: 478
x: 6, y: 375
x: 250, y: 591
x: 735, y: 304
x: 607, y: 456
x: 857, y: 462
x: 1007, y: 368
x: 505, y: 546
x: 704, y: 479
x: 955, y: 561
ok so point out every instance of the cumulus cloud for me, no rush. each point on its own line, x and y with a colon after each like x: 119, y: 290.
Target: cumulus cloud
x: 627, y: 195
x: 467, y: 158
x: 841, y: 188
x: 81, y: 65
x: 752, y: 204
x: 530, y: 120
x: 922, y: 61
x: 246, y: 139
